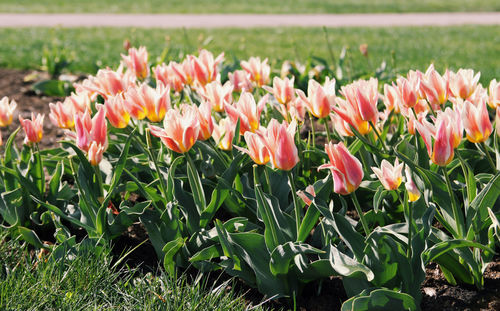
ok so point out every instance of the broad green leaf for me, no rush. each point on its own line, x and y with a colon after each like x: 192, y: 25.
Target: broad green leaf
x: 446, y: 246
x: 170, y: 250
x: 282, y: 256
x: 380, y: 299
x: 31, y: 237
x: 196, y: 186
x: 346, y: 266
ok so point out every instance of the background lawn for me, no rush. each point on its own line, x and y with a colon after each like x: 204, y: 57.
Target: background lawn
x: 475, y: 47
x: 254, y: 6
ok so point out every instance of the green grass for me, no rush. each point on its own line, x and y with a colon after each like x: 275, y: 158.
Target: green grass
x: 475, y: 47
x: 255, y: 6
x: 88, y: 282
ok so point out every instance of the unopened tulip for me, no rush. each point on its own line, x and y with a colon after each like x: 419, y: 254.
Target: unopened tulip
x: 181, y: 129
x: 62, y: 114
x: 116, y: 113
x: 206, y: 121
x: 439, y: 139
x: 319, y: 99
x: 434, y: 87
x: 217, y: 94
x: 389, y: 175
x: 6, y: 111
x: 95, y: 153
x: 32, y: 128
x: 413, y: 192
x: 223, y: 134
x: 282, y: 90
x: 259, y: 70
x: 137, y: 62
x: 280, y: 141
x: 391, y: 98
x: 304, y: 197
x: 257, y: 149
x: 91, y: 130
x: 463, y: 83
x: 494, y: 90
x: 240, y: 79
x: 346, y: 169
x: 476, y: 122
x: 247, y: 111
x: 455, y: 121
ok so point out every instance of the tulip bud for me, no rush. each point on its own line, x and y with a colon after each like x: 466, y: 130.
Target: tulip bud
x: 33, y: 128
x: 6, y: 111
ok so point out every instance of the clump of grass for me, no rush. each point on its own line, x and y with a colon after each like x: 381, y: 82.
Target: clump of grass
x: 86, y: 279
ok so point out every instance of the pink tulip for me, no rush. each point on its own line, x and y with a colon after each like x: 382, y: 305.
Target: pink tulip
x: 247, y: 111
x: 116, y: 113
x: 108, y: 83
x: 494, y: 90
x: 407, y: 92
x: 217, y: 94
x: 181, y: 129
x: 346, y: 170
x: 184, y: 70
x: 205, y: 67
x: 156, y: 101
x: 349, y: 112
x: 476, y: 122
x: 134, y: 103
x: 439, y: 139
x: 280, y: 141
x: 32, y: 128
x: 304, y: 197
x: 167, y: 75
x: 434, y: 87
x: 7, y: 111
x: 257, y: 149
x: 95, y: 153
x: 391, y: 98
x: 206, y: 121
x: 62, y: 115
x: 463, y: 83
x: 240, y: 79
x: 296, y: 109
x: 341, y: 127
x: 259, y: 70
x: 455, y: 121
x: 91, y: 130
x: 363, y: 95
x: 223, y: 134
x: 390, y: 176
x: 413, y: 192
x: 80, y: 100
x: 137, y: 62
x: 320, y: 98
x: 282, y: 90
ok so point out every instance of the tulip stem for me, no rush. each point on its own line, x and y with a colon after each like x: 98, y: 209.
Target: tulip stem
x: 98, y: 176
x: 409, y: 219
x: 488, y: 156
x: 328, y: 134
x: 38, y: 159
x: 313, y: 131
x: 295, y: 203
x: 360, y: 213
x: 432, y: 110
x: 378, y: 136
x: 268, y: 181
x: 453, y: 203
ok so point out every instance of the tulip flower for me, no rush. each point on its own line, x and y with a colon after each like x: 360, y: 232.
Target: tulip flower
x: 407, y: 92
x: 346, y: 169
x: 108, y: 82
x: 296, y: 109
x: 240, y: 80
x: 137, y: 62
x: 205, y: 67
x: 181, y: 129
x: 282, y: 90
x: 80, y: 101
x: 257, y: 149
x: 184, y: 70
x: 476, y: 122
x: 217, y: 94
x: 434, y: 87
x: 62, y: 114
x: 494, y: 90
x: 280, y: 141
x: 206, y: 121
x: 167, y: 75
x: 320, y: 98
x: 116, y: 113
x: 413, y: 192
x: 439, y: 139
x: 247, y: 111
x: 223, y: 134
x: 32, y: 128
x: 156, y: 101
x: 341, y: 127
x: 463, y: 83
x: 90, y: 131
x: 391, y: 98
x: 7, y: 111
x: 259, y: 70
x: 389, y: 175
x: 95, y: 153
x: 134, y: 103
x: 349, y: 112
x: 304, y: 197
x: 363, y: 95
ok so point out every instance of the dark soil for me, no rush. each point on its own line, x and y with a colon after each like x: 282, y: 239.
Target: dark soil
x: 437, y: 293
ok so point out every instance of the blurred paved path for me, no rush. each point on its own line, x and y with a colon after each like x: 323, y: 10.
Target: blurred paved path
x: 248, y: 20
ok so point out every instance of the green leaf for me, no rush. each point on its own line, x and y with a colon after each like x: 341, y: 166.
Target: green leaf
x: 57, y: 88
x: 170, y: 179
x: 346, y: 266
x: 273, y: 219
x: 284, y: 254
x: 380, y: 299
x: 446, y: 246
x: 354, y: 240
x: 170, y: 249
x: 55, y: 181
x: 30, y: 237
x: 208, y: 253
x: 196, y: 186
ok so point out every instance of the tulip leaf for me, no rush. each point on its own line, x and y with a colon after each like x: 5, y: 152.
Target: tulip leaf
x: 55, y: 181
x: 170, y: 249
x: 31, y: 237
x: 445, y: 246
x: 208, y: 253
x: 346, y: 266
x: 282, y: 255
x: 196, y: 186
x: 170, y: 179
x: 380, y: 299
